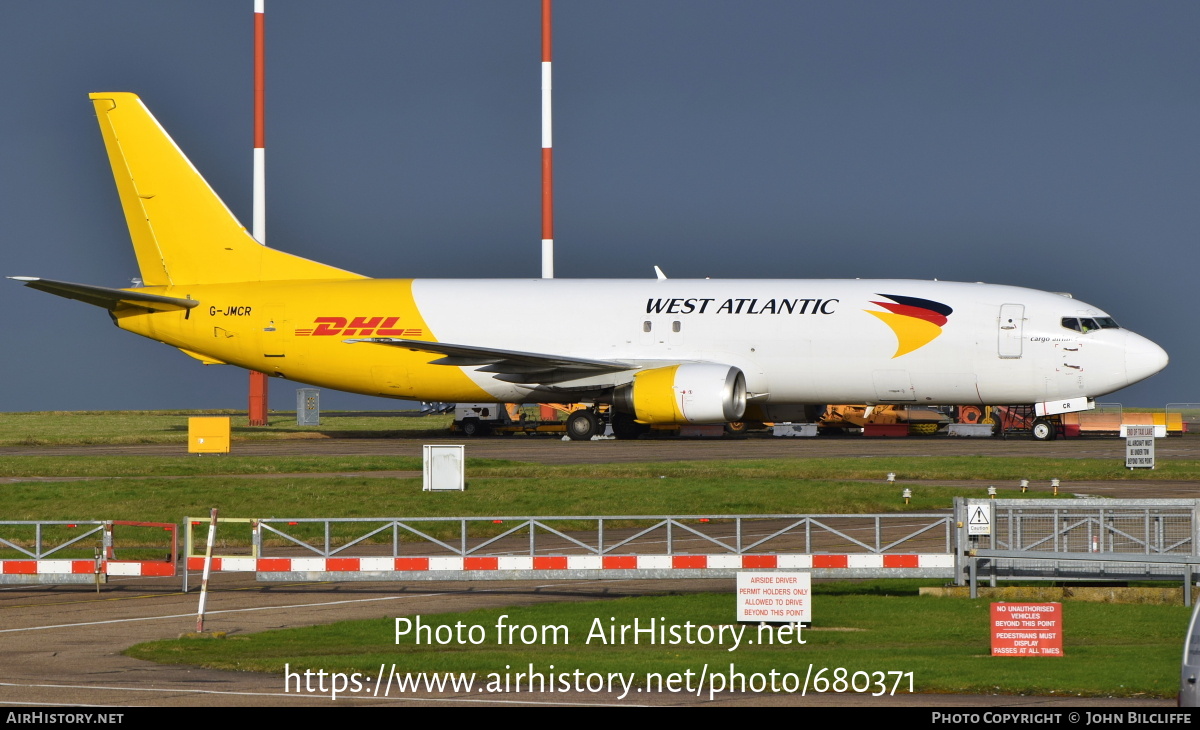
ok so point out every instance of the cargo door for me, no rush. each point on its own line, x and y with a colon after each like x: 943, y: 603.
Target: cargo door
x: 1011, y: 330
x: 893, y: 386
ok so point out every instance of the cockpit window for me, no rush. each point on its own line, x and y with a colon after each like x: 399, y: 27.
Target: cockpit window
x: 1087, y: 324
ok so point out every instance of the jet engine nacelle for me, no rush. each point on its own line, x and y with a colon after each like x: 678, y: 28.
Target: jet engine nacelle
x: 687, y: 393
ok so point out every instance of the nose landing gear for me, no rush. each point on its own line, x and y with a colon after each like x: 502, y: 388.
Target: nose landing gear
x: 1044, y: 429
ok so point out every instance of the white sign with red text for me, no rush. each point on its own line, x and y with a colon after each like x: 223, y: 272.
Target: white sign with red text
x: 774, y: 597
x: 1027, y: 629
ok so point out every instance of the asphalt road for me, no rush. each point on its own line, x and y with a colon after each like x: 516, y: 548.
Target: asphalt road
x: 61, y: 645
x: 547, y: 450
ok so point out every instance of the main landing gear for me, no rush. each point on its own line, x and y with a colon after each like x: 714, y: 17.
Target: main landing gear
x: 582, y: 425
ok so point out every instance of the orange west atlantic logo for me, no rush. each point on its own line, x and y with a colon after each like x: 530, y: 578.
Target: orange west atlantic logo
x: 359, y: 326
x: 916, y: 322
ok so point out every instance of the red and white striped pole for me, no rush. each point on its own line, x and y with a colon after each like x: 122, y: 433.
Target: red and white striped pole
x: 208, y: 549
x: 258, y: 381
x: 260, y: 133
x: 547, y: 152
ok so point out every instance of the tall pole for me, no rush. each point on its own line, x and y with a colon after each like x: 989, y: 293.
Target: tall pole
x: 547, y: 152
x: 258, y: 381
x: 260, y: 131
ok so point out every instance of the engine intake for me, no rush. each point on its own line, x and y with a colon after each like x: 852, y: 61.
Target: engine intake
x: 687, y: 393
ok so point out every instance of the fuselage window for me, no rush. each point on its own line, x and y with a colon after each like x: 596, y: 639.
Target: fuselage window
x: 1088, y: 324
x: 1071, y: 323
x: 646, y: 326
x: 1107, y: 323
x: 675, y: 326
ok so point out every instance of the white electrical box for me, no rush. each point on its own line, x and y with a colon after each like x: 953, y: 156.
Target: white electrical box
x: 444, y: 468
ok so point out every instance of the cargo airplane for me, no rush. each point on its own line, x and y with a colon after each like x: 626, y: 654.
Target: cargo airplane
x: 659, y: 351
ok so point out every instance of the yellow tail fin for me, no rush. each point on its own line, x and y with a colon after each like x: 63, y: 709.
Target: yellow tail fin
x: 182, y: 233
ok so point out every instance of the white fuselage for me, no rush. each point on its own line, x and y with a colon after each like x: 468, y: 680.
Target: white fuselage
x: 801, y: 341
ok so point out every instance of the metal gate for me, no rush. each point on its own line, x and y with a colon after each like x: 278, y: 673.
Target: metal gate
x: 1111, y: 530
x: 55, y: 552
x: 591, y: 547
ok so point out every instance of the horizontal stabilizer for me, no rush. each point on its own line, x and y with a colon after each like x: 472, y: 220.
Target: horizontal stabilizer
x: 102, y: 296
x: 513, y: 367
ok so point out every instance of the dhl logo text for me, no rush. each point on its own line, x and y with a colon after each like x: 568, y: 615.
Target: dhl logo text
x: 359, y: 326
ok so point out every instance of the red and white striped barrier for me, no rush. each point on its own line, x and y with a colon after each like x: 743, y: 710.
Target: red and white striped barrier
x: 88, y: 567
x: 501, y: 564
x: 47, y: 567
x: 73, y: 571
x: 138, y: 567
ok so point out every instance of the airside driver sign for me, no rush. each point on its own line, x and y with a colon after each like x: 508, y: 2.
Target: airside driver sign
x: 774, y: 597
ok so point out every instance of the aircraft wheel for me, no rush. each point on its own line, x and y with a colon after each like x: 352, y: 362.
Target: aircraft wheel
x: 582, y: 425
x: 735, y: 429
x: 471, y: 427
x: 1044, y: 430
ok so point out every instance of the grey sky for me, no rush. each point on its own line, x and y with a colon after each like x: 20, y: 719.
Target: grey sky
x: 1049, y: 145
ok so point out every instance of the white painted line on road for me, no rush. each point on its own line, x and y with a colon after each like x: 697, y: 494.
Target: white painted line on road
x: 267, y: 608
x: 306, y: 695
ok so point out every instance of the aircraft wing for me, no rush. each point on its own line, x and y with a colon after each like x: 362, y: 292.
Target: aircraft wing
x: 509, y: 366
x: 102, y: 296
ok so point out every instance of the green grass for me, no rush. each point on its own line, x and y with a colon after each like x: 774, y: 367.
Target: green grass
x: 561, y: 491
x: 166, y: 489
x: 167, y: 500
x: 998, y: 469
x: 1110, y: 650
x: 1003, y: 471
x: 163, y: 427
x: 191, y: 465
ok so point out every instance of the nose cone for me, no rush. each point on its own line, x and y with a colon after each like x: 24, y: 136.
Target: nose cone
x: 1143, y: 358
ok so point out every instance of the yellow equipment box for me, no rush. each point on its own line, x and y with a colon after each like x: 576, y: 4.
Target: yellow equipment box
x: 208, y: 435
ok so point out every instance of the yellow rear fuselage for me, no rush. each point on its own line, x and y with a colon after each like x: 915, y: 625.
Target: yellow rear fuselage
x: 296, y: 329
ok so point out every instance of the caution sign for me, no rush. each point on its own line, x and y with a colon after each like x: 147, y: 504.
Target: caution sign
x: 1027, y: 629
x: 979, y: 519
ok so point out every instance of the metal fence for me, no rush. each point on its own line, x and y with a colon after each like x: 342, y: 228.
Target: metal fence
x: 1027, y: 538
x: 1059, y: 540
x: 732, y: 534
x: 623, y: 546
x: 46, y: 539
x: 76, y: 551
